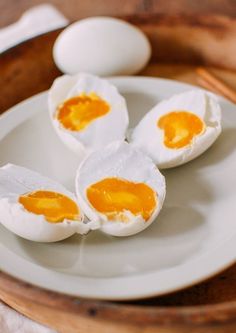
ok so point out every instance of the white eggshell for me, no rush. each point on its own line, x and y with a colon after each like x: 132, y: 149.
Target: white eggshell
x: 148, y: 137
x: 15, y: 181
x: 103, y: 46
x: 103, y: 130
x: 120, y: 160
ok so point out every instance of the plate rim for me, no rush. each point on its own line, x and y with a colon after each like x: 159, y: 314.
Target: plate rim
x: 134, y: 296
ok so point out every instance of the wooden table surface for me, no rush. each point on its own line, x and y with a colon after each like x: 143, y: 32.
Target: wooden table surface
x: 10, y: 10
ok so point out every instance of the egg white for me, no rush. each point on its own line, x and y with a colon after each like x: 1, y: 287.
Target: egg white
x: 121, y: 160
x: 15, y: 181
x: 101, y: 131
x: 148, y: 137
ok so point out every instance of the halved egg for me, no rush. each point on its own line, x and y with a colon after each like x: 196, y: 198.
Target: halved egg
x: 37, y: 208
x: 179, y: 129
x: 120, y: 188
x: 87, y: 112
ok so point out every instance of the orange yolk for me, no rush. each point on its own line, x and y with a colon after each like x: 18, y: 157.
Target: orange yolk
x: 180, y: 127
x: 54, y: 206
x: 114, y: 196
x: 78, y: 112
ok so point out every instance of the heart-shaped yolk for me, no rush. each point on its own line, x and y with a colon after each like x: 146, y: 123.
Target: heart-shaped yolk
x: 180, y: 127
x: 55, y: 207
x: 78, y: 112
x: 114, y: 197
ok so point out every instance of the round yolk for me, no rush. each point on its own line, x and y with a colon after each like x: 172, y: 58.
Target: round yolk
x: 180, y: 127
x: 78, y: 112
x: 114, y: 197
x: 54, y: 206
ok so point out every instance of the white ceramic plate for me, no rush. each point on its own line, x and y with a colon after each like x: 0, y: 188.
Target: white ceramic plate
x: 193, y: 238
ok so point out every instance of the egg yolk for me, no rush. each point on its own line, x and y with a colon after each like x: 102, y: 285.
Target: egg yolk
x: 54, y: 206
x: 180, y: 127
x: 114, y: 197
x: 78, y: 112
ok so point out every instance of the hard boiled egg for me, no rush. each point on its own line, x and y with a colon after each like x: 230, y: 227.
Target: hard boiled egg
x: 37, y: 208
x: 179, y: 129
x: 120, y: 188
x: 87, y: 112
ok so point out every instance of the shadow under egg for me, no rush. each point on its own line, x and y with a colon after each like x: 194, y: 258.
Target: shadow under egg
x: 60, y: 255
x: 138, y: 105
x: 224, y: 146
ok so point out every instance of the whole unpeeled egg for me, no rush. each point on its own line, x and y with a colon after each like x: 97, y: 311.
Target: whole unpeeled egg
x: 102, y: 46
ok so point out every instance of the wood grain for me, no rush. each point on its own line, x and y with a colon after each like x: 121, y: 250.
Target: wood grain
x: 203, y: 39
x: 172, y: 313
x: 207, y: 40
x: 27, y: 70
x: 208, y: 307
x: 73, y: 9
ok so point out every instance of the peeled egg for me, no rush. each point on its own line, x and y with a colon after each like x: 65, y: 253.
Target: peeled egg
x: 179, y: 129
x: 37, y: 208
x: 120, y: 188
x: 87, y: 112
x: 102, y: 46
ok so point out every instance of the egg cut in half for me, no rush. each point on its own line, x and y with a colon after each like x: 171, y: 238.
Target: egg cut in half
x: 120, y: 188
x: 179, y: 129
x: 87, y: 112
x: 37, y: 208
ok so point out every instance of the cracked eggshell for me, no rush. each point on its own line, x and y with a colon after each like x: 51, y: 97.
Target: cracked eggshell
x: 100, y: 132
x: 120, y: 160
x: 150, y: 139
x: 15, y: 181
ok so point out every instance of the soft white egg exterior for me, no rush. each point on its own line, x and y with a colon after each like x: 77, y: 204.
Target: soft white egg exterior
x: 148, y: 137
x: 102, y: 46
x: 15, y: 181
x: 101, y: 131
x: 120, y: 160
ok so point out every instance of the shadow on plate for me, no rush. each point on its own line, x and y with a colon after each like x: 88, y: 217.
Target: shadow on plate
x: 139, y: 104
x: 173, y: 239
x: 221, y: 149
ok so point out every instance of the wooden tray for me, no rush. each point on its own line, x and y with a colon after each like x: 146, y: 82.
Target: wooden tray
x: 208, y: 307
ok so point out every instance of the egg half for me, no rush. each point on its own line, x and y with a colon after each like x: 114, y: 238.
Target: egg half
x: 87, y: 112
x: 37, y: 208
x: 120, y: 188
x: 179, y: 129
